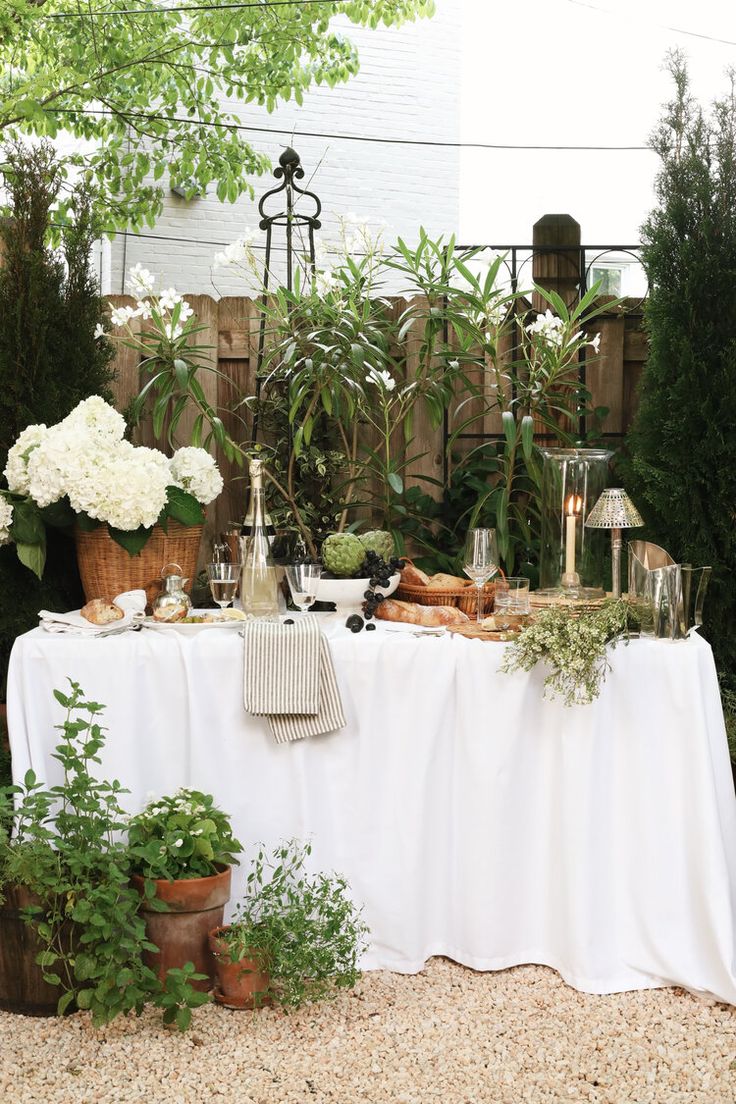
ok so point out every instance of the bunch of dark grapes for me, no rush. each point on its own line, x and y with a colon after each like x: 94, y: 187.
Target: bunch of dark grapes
x: 379, y: 572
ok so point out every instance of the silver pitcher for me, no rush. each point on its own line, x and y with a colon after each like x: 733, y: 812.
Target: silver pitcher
x: 669, y: 597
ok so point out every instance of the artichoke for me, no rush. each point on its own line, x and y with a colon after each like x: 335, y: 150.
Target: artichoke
x: 343, y: 554
x: 378, y: 541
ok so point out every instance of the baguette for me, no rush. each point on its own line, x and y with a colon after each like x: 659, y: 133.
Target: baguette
x: 101, y: 612
x: 411, y: 613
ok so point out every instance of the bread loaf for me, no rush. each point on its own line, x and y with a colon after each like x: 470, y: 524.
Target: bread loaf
x: 101, y: 612
x: 413, y: 576
x: 447, y: 582
x: 411, y: 613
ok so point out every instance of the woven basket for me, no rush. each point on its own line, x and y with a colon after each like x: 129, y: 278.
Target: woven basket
x: 465, y: 598
x: 106, y: 569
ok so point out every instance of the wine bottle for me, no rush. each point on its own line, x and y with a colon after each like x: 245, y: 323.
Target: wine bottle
x: 259, y: 581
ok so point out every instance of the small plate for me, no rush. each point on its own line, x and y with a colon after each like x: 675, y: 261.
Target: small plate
x: 190, y: 629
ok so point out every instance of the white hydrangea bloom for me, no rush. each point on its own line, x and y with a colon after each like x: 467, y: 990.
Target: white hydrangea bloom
x: 16, y: 469
x: 95, y: 416
x: 129, y: 489
x: 195, y: 471
x: 140, y: 281
x: 49, y: 464
x: 6, y: 519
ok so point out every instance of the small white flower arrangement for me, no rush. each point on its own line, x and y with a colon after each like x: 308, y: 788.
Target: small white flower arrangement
x: 83, y: 470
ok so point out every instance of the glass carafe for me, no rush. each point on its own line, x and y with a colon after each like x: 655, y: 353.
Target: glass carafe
x: 259, y: 579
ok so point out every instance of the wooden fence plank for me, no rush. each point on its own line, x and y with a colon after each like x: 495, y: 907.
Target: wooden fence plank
x: 603, y: 374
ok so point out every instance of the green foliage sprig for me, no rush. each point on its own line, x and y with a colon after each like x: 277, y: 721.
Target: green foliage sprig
x: 181, y: 836
x: 66, y: 845
x: 303, y: 929
x: 574, y: 647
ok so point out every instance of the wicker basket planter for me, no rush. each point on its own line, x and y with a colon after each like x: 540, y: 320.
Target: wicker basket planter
x: 106, y: 569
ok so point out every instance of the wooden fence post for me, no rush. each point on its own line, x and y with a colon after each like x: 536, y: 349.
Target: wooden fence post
x: 556, y: 261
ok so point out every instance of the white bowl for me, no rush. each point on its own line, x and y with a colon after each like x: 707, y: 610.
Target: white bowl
x: 349, y: 594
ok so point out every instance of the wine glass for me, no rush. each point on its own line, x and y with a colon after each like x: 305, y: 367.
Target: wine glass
x: 303, y: 578
x: 481, y: 560
x: 224, y: 579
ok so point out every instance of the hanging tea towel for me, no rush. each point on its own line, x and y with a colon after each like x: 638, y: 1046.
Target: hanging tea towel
x: 289, y: 678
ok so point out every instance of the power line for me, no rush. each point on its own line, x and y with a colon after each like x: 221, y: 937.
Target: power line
x: 292, y: 133
x: 187, y: 8
x: 661, y: 26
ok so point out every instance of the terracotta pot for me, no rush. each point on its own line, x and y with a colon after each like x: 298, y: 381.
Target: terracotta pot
x: 22, y: 988
x: 237, y: 982
x: 195, y: 907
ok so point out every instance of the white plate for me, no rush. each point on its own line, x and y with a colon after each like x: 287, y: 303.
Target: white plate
x: 188, y: 630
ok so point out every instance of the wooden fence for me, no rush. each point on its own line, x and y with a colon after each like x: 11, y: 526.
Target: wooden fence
x: 231, y: 329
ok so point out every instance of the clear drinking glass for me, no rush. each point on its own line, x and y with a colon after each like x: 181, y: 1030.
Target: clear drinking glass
x: 224, y: 579
x: 480, y: 562
x: 303, y: 578
x: 511, y: 604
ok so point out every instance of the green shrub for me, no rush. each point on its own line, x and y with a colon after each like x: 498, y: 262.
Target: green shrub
x: 681, y: 470
x: 49, y: 357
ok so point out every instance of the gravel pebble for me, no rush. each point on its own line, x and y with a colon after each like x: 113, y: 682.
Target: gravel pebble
x: 448, y: 1035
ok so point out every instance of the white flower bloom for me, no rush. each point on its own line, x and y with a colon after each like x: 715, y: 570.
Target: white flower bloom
x: 16, y: 469
x: 173, y: 332
x: 94, y: 416
x: 120, y: 316
x: 6, y: 519
x: 140, y: 281
x: 381, y: 379
x: 143, y: 310
x: 195, y: 471
x: 99, y: 331
x: 237, y: 252
x: 127, y: 488
x: 168, y: 299
x: 185, y: 312
x: 179, y: 843
x: 324, y: 281
x: 548, y: 326
x: 595, y: 343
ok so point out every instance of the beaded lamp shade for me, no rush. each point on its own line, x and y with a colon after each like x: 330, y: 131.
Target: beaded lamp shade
x: 614, y: 510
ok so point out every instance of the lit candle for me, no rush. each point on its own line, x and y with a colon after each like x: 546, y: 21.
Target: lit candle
x: 574, y: 505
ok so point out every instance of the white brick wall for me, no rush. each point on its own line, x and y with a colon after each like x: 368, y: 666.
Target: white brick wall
x: 408, y: 87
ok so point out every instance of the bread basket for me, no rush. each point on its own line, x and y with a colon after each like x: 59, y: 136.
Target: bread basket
x: 465, y: 598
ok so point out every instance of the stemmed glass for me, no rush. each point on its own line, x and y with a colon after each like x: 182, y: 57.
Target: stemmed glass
x: 224, y: 579
x: 481, y: 560
x: 303, y: 578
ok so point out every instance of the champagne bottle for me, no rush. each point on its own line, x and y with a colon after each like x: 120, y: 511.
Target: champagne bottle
x: 259, y: 580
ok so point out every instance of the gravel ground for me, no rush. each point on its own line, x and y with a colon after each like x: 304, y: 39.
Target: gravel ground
x: 447, y: 1035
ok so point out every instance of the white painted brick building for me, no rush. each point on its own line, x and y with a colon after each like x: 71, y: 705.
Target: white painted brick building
x: 408, y: 87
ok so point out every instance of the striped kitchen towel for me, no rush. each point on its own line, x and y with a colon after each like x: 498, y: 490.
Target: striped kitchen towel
x: 289, y: 678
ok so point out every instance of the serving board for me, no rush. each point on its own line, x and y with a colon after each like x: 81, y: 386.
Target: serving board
x: 476, y: 632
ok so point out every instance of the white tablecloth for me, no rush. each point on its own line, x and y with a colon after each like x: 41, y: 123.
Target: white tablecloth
x: 472, y: 818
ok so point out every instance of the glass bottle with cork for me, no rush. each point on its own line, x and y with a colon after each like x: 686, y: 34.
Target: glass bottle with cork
x: 259, y: 578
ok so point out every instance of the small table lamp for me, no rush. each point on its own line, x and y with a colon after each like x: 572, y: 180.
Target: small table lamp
x: 614, y: 510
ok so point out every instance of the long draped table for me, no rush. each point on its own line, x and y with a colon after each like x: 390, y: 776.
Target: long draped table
x: 472, y: 818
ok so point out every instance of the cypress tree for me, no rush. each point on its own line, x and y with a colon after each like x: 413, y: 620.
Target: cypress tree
x: 681, y: 468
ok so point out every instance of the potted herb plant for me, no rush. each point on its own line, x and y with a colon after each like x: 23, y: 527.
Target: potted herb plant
x: 182, y: 848
x: 70, y: 931
x: 295, y: 937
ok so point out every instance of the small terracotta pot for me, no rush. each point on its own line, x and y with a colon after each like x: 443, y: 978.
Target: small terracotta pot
x: 237, y: 982
x: 196, y: 906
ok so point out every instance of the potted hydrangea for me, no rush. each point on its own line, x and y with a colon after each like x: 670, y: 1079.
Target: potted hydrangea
x: 182, y: 848
x: 133, y: 508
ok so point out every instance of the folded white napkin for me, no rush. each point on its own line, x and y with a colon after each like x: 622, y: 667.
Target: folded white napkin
x: 133, y: 602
